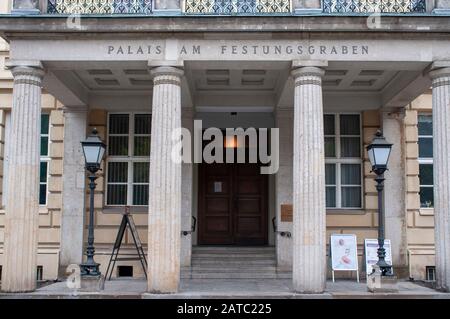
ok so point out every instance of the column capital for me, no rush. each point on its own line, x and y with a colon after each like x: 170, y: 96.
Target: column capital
x: 438, y: 69
x: 439, y: 73
x: 308, y: 68
x: 166, y: 70
x: 75, y: 109
x: 166, y: 75
x: 307, y: 71
x: 171, y: 68
x: 398, y: 113
x: 25, y: 68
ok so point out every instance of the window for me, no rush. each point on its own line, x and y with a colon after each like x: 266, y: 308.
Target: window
x: 128, y: 159
x: 425, y: 127
x: 343, y: 160
x: 45, y: 159
x: 124, y: 271
x: 40, y: 273
x: 430, y: 273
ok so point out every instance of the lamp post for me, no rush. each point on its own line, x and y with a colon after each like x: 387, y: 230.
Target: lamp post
x: 93, y: 150
x: 379, y: 151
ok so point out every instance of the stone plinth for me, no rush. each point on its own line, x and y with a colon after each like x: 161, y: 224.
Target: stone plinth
x: 381, y: 284
x: 92, y: 283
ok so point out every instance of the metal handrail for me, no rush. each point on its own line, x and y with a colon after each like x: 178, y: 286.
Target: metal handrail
x: 193, y: 227
x: 286, y: 234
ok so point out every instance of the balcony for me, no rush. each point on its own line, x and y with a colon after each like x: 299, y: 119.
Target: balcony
x: 232, y: 7
x: 99, y: 6
x: 372, y: 6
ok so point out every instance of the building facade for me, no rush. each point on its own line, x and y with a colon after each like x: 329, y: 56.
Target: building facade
x: 328, y: 74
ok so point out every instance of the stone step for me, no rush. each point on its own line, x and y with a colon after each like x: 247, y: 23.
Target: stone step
x: 219, y: 258
x: 233, y: 262
x: 221, y: 262
x: 234, y: 252
x: 239, y: 275
x: 231, y: 248
x: 203, y: 269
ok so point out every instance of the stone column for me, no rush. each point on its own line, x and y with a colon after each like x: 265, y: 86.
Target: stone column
x: 309, y: 226
x: 22, y: 206
x: 73, y: 197
x: 164, y: 218
x: 395, y: 191
x: 441, y: 172
x: 187, y: 193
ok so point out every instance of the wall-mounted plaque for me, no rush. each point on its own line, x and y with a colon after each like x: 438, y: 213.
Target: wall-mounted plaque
x: 217, y: 187
x: 286, y: 213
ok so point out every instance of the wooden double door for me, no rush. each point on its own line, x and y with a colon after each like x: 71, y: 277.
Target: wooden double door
x: 232, y: 204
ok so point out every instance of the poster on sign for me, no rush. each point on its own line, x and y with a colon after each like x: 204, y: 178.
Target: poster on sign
x: 371, y: 256
x: 344, y: 253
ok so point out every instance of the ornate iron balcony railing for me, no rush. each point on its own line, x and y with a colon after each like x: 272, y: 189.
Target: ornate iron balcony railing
x: 233, y: 7
x: 230, y: 7
x: 99, y: 6
x: 372, y: 6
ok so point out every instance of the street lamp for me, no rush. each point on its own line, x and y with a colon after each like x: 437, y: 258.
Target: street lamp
x: 379, y: 151
x: 93, y: 150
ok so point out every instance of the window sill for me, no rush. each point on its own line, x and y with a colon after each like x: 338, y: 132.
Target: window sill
x: 121, y: 209
x: 349, y: 211
x: 426, y: 211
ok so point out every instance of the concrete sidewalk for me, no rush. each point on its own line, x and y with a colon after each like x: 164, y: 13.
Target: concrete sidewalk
x: 223, y: 289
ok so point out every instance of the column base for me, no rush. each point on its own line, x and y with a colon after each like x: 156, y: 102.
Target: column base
x: 92, y: 283
x: 378, y: 283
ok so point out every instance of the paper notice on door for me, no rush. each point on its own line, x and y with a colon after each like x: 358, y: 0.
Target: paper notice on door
x: 217, y: 187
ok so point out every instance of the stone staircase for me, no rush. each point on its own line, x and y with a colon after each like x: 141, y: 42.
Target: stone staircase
x: 221, y: 262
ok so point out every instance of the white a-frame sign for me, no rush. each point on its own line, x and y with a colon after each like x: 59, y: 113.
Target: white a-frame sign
x: 344, y: 253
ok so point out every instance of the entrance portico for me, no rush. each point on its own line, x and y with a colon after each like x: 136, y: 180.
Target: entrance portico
x: 179, y: 80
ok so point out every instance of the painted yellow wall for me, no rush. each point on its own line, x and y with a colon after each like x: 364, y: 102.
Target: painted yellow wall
x: 420, y: 222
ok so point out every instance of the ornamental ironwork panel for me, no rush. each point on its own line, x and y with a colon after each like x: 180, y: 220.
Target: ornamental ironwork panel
x: 99, y: 6
x: 372, y: 6
x: 230, y: 7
